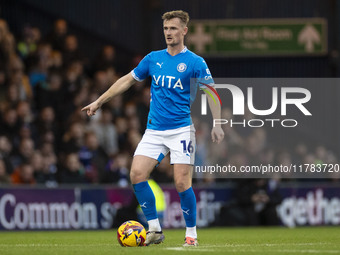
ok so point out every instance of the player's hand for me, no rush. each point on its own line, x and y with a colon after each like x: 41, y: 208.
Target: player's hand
x: 91, y: 108
x: 217, y: 134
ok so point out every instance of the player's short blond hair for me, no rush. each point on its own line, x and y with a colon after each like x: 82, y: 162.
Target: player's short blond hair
x: 182, y: 15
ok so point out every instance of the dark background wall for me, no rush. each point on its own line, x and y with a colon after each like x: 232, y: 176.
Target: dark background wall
x: 136, y: 27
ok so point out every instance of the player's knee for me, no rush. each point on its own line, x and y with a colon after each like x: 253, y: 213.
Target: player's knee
x: 182, y: 185
x: 137, y: 176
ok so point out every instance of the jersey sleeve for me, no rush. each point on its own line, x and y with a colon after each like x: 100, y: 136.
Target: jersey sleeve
x: 202, y: 72
x: 141, y: 72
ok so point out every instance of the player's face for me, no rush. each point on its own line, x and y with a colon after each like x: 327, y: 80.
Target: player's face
x: 174, y: 31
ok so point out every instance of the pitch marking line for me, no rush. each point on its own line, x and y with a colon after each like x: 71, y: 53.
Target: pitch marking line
x: 195, y: 249
x: 267, y: 245
x: 198, y: 249
x: 212, y: 248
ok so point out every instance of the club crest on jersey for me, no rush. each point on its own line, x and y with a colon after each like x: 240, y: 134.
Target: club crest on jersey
x: 181, y: 67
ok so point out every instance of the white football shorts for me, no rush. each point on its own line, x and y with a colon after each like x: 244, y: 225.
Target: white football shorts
x: 180, y: 142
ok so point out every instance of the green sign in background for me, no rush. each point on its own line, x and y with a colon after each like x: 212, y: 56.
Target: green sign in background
x: 258, y: 37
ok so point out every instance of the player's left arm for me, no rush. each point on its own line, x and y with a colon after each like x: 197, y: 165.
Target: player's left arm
x: 217, y: 133
x: 202, y: 72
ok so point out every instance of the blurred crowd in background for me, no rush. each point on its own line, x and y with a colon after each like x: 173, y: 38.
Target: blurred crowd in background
x: 45, y: 80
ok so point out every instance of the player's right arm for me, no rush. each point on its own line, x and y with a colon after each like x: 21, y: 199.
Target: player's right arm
x: 117, y: 88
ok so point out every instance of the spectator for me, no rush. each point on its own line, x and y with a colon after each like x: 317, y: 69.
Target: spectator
x: 3, y: 32
x: 117, y: 170
x: 4, y: 177
x: 74, y: 107
x: 134, y: 138
x: 112, y: 75
x: 130, y: 109
x: 134, y: 124
x: 48, y: 153
x: 57, y: 37
x: 5, y: 151
x: 24, y: 153
x: 71, y: 50
x: 72, y: 85
x: 38, y: 70
x: 300, y: 151
x: 24, y: 113
x: 73, y: 171
x: 44, y: 170
x: 47, y: 122
x: 25, y: 132
x: 257, y: 200
x: 11, y: 100
x: 93, y: 158
x: 56, y: 61
x: 254, y: 144
x: 116, y: 106
x: 24, y: 174
x: 29, y: 43
x: 17, y: 78
x: 9, y: 125
x: 101, y: 81
x: 284, y: 158
x: 73, y: 138
x: 50, y: 95
x: 37, y: 162
x: 122, y: 127
x: 106, y: 58
x: 106, y: 132
x: 8, y: 47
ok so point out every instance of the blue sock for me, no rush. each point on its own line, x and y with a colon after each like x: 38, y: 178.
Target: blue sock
x: 146, y: 199
x: 188, y: 205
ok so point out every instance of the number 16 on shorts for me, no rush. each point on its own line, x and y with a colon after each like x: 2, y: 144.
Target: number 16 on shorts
x: 187, y: 147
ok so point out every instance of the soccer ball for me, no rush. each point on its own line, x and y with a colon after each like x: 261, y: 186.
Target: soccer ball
x: 131, y: 233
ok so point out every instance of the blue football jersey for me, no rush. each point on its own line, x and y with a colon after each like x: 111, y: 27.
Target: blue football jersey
x: 171, y: 92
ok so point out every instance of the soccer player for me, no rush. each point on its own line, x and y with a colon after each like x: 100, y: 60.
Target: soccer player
x: 169, y: 127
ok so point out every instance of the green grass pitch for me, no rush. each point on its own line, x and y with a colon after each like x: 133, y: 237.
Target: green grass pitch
x: 278, y: 240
